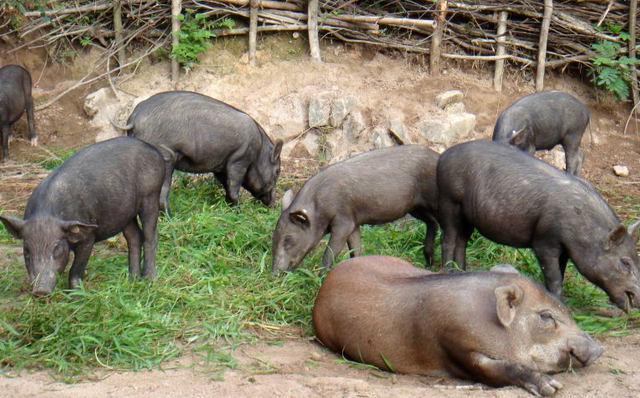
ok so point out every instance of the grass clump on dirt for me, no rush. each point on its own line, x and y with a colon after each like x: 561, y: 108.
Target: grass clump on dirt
x: 214, y: 290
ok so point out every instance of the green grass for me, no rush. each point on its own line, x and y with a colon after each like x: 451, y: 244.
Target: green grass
x: 214, y: 290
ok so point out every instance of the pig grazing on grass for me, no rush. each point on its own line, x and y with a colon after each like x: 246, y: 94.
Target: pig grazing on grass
x: 498, y: 328
x: 372, y: 188
x: 209, y: 136
x: 517, y: 200
x: 542, y: 121
x: 95, y: 194
x: 15, y: 98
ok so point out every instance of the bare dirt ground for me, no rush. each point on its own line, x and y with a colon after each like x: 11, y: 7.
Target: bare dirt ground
x: 278, y: 88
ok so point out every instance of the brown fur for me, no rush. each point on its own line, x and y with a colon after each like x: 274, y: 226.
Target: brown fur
x: 485, y: 326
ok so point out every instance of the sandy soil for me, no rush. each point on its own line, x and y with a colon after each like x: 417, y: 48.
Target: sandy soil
x: 274, y: 93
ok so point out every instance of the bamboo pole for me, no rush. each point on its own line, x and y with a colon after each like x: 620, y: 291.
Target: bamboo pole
x: 542, y: 47
x: 117, y: 27
x: 436, y: 39
x: 633, y: 9
x: 314, y: 42
x: 253, y: 31
x: 176, y: 8
x: 502, y: 29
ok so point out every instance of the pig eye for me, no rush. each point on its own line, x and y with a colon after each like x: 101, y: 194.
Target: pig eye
x: 626, y: 264
x: 547, y: 318
x: 58, y: 251
x: 288, y: 242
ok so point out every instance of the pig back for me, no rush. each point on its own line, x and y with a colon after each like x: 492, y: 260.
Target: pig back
x: 103, y: 184
x: 203, y: 130
x: 376, y: 186
x: 503, y: 189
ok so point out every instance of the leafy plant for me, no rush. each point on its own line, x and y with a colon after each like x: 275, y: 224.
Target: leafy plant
x: 610, y: 70
x: 195, y: 30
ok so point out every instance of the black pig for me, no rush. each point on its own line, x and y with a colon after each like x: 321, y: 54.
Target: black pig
x: 517, y: 200
x: 208, y: 135
x: 542, y: 121
x: 372, y: 188
x: 15, y: 98
x: 95, y: 194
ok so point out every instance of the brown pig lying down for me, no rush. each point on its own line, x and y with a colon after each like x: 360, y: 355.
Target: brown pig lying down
x: 499, y: 328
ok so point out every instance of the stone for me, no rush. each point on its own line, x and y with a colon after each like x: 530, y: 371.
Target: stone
x: 457, y: 107
x: 340, y: 109
x: 398, y: 132
x: 96, y: 101
x: 461, y: 125
x: 319, y: 111
x: 621, y: 171
x: 353, y: 127
x: 448, y: 97
x: 435, y: 130
x: 381, y: 138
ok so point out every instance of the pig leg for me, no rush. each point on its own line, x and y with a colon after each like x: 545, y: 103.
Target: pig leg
x: 549, y: 259
x: 503, y: 373
x: 455, y: 234
x: 32, y: 126
x: 133, y: 234
x: 149, y: 219
x: 166, y: 186
x: 236, y: 171
x: 5, y: 132
x: 430, y: 236
x: 81, y: 254
x: 353, y: 241
x: 574, y: 157
x: 339, y: 235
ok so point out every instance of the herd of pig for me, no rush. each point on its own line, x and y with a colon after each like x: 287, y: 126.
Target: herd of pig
x: 496, y: 327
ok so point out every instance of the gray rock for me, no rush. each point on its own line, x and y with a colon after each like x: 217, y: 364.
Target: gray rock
x: 353, y: 126
x: 462, y: 124
x: 456, y: 107
x: 319, y: 111
x: 340, y: 109
x: 435, y: 130
x: 448, y: 97
x: 381, y: 138
x: 398, y: 132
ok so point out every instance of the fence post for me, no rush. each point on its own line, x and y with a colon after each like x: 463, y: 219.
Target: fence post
x: 542, y: 46
x: 176, y: 8
x: 500, y: 51
x: 436, y: 39
x: 314, y: 42
x: 117, y: 27
x: 633, y: 10
x: 253, y: 31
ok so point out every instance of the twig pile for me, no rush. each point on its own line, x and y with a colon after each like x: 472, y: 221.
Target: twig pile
x: 469, y: 30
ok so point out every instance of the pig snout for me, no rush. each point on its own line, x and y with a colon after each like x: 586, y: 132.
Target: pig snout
x: 584, y: 350
x: 268, y: 199
x: 626, y: 298
x: 44, y: 283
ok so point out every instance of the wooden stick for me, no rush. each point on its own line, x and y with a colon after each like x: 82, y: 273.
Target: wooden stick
x: 436, y: 39
x: 418, y: 23
x: 176, y: 8
x: 278, y: 5
x: 542, y: 47
x: 117, y: 27
x: 314, y: 42
x: 253, y: 31
x: 502, y: 29
x: 633, y: 9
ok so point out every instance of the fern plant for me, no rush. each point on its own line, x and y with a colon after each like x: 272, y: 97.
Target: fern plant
x: 611, y: 71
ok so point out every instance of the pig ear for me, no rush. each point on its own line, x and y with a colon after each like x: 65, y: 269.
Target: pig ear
x: 633, y: 229
x: 287, y: 198
x: 615, y: 237
x: 519, y: 138
x: 14, y: 225
x: 77, y: 231
x: 277, y: 149
x: 507, y: 299
x: 300, y: 217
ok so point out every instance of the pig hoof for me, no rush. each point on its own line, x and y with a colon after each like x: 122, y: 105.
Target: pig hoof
x: 546, y: 387
x: 34, y: 142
